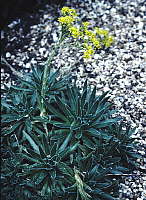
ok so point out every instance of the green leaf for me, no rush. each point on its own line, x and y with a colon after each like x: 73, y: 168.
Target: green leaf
x: 103, y: 194
x: 12, y: 129
x: 65, y: 143
x: 40, y: 177
x: 123, y: 169
x: 44, y: 189
x: 93, y: 132
x: 92, y: 98
x: 34, y: 98
x: 105, y: 123
x: 64, y: 107
x: 84, y: 94
x: 21, y: 89
x: 45, y: 144
x: 38, y: 130
x: 6, y: 105
x: 32, y: 142
x: 69, y: 150
x: 9, y: 117
x: 93, y: 171
x: 54, y: 148
x: 28, y: 157
x: 102, y: 174
x: 60, y: 125
x: 100, y: 112
x: 34, y: 154
x: 134, y: 155
x: 28, y: 125
x: 40, y: 119
x: 57, y: 113
x: 72, y: 98
x: 104, y: 185
x: 65, y: 169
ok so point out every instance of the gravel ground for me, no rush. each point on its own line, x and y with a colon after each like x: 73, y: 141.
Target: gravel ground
x: 121, y: 69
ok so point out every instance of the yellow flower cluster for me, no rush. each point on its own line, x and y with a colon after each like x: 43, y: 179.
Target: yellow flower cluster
x: 68, y: 16
x: 108, y: 41
x: 86, y: 24
x: 90, y: 39
x: 90, y: 34
x: 75, y: 32
x: 89, y: 51
x: 67, y: 20
x: 100, y: 31
x: 68, y: 11
x: 97, y: 39
x: 96, y: 43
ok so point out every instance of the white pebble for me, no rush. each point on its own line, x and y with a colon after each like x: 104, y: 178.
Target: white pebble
x: 8, y: 55
x: 28, y: 65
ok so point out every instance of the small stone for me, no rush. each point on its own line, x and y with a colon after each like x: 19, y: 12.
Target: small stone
x: 46, y: 16
x: 12, y: 57
x: 142, y: 75
x: 88, y: 68
x: 28, y: 65
x: 140, y: 25
x: 94, y: 65
x: 33, y: 61
x: 2, y: 34
x: 55, y: 38
x: 96, y: 56
x: 34, y: 27
x: 42, y: 50
x: 113, y: 10
x: 43, y: 42
x: 8, y: 55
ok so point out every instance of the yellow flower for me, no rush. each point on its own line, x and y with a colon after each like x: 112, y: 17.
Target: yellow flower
x: 90, y: 34
x: 85, y: 45
x: 68, y: 11
x: 73, y: 12
x: 75, y: 32
x: 86, y: 24
x: 108, y: 41
x: 96, y: 43
x: 100, y: 31
x: 65, y: 10
x: 67, y: 20
x: 89, y: 51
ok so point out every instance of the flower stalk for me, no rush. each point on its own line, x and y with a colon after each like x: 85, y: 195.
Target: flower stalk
x: 46, y: 72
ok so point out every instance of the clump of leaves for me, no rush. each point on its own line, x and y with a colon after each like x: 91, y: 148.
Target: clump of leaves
x: 60, y: 142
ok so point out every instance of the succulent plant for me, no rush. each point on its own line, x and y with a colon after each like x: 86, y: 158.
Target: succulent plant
x: 23, y: 102
x: 83, y: 113
x: 76, y: 150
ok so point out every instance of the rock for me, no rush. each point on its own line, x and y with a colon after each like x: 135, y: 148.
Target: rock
x: 28, y: 65
x: 8, y: 55
x: 42, y: 50
x: 55, y: 37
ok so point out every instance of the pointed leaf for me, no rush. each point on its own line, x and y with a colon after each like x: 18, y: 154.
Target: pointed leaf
x: 32, y: 142
x: 65, y: 143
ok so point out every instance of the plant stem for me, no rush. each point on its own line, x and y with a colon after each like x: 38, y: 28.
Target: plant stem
x: 45, y: 78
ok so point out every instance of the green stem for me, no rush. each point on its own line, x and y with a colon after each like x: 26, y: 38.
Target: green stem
x: 45, y: 75
x: 44, y: 83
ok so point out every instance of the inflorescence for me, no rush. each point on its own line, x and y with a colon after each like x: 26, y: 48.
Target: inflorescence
x: 91, y: 40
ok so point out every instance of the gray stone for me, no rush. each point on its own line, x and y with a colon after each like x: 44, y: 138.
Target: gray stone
x: 8, y: 55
